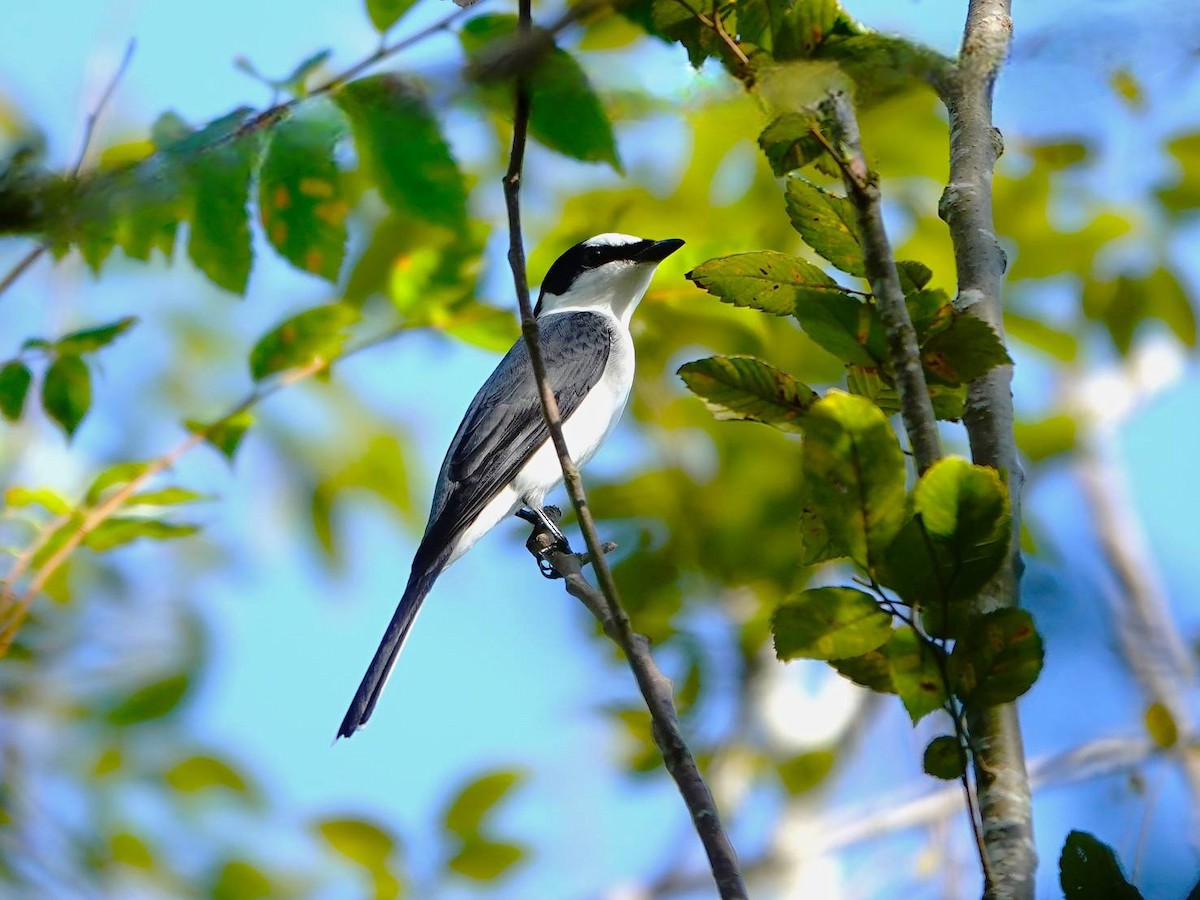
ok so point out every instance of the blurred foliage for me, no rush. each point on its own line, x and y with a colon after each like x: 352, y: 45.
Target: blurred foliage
x: 356, y: 183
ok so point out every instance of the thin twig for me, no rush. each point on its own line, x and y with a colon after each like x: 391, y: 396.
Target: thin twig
x: 89, y: 127
x: 16, y: 607
x: 862, y: 187
x: 724, y: 36
x: 1001, y: 781
x: 264, y: 119
x: 22, y: 265
x: 655, y: 687
x: 89, y: 132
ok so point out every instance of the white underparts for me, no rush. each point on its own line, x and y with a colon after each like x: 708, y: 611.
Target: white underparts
x: 584, y: 430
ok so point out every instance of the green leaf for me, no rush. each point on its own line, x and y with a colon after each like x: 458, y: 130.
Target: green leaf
x: 930, y: 311
x: 483, y: 326
x: 1184, y: 194
x: 219, y: 243
x: 772, y: 282
x: 152, y: 701
x: 294, y: 83
x: 672, y: 22
x: 466, y: 812
x: 239, y: 880
x: 120, y: 530
x: 202, y: 772
x: 169, y: 496
x: 565, y: 115
x: 128, y: 849
x: 484, y: 860
x: 1060, y: 343
x: 998, y: 659
x: 955, y: 541
x: 15, y: 379
x: 966, y: 349
x: 914, y: 275
x: 90, y: 340
x: 870, y: 670
x: 916, y: 675
x: 1122, y: 304
x: 789, y: 143
x: 1088, y: 868
x: 801, y: 773
x: 827, y: 223
x: 1161, y: 727
x: 114, y: 476
x: 67, y: 392
x: 226, y: 435
x: 49, y: 500
x: 803, y: 26
x: 307, y: 337
x: 746, y: 389
x: 848, y: 327
x: 358, y: 840
x: 816, y: 545
x: 400, y: 144
x: 386, y: 13
x: 301, y: 200
x: 945, y: 758
x: 882, y: 66
x: 829, y: 623
x: 854, y: 469
x: 1045, y: 438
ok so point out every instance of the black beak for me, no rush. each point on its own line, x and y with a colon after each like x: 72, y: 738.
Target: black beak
x: 657, y: 251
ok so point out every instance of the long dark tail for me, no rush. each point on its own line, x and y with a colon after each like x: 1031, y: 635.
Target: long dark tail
x: 424, y: 574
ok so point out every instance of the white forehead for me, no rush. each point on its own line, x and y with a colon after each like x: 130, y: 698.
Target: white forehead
x: 611, y: 239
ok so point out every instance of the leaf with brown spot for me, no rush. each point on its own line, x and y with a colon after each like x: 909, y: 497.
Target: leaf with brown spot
x: 298, y: 180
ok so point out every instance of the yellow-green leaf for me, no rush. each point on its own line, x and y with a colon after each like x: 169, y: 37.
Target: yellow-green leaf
x: 485, y: 860
x: 772, y: 282
x: 915, y: 672
x: 386, y: 13
x: 746, y: 389
x: 301, y: 198
x: 855, y: 473
x: 465, y: 814
x: 1160, y: 725
x: 309, y: 336
x: 827, y: 223
x: 829, y: 623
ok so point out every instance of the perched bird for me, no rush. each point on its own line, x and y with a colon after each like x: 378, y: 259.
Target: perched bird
x: 501, y: 457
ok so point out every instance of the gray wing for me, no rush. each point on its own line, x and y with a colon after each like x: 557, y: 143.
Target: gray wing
x: 503, y: 426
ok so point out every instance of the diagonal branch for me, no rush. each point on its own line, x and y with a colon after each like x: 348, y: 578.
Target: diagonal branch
x: 89, y: 132
x: 862, y: 187
x: 966, y: 205
x: 655, y: 687
x: 15, y: 606
x: 262, y: 120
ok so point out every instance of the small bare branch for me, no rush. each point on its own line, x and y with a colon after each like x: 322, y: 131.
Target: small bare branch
x: 862, y: 187
x: 655, y: 687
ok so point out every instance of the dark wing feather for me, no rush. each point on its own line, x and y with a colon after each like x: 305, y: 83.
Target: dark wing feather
x: 503, y: 426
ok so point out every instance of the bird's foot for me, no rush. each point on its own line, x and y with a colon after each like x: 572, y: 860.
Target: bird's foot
x: 547, y: 538
x: 560, y: 545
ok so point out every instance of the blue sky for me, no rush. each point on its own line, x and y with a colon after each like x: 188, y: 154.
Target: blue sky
x: 292, y: 638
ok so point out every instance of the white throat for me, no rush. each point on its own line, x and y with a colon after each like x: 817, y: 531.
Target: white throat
x: 615, y: 288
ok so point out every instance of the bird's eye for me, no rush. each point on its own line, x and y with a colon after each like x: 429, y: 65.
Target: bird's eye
x: 593, y: 256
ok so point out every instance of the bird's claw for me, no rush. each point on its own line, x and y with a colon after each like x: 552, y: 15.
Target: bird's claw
x: 547, y: 569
